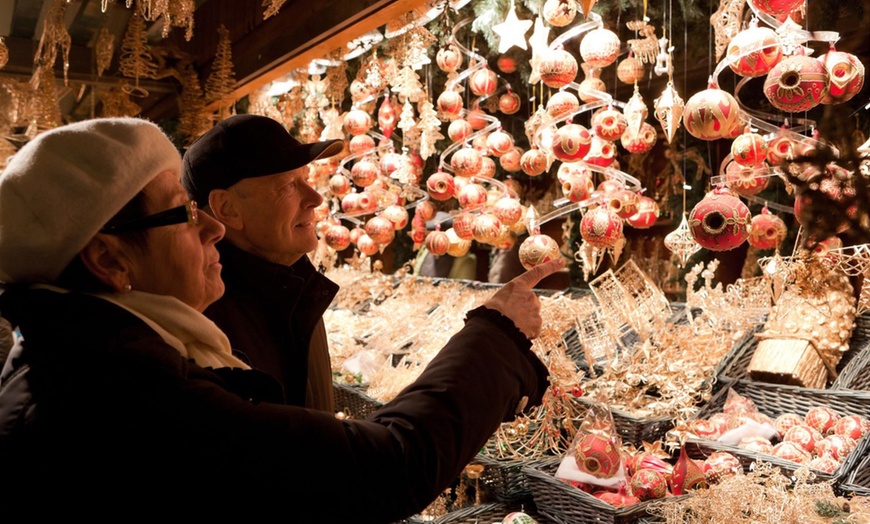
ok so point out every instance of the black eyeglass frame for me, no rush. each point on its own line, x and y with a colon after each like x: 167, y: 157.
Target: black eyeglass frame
x: 185, y: 213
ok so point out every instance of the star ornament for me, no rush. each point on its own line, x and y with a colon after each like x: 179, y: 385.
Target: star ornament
x: 539, y: 42
x: 512, y: 32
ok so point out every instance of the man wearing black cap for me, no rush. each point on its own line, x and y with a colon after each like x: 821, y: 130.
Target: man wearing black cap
x: 251, y: 175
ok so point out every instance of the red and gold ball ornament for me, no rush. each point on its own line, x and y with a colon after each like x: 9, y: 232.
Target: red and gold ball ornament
x: 643, y: 142
x: 720, y: 465
x: 459, y: 130
x: 567, y: 169
x: 852, y: 426
x: 479, y: 143
x: 777, y: 8
x: 797, y: 83
x: 571, y: 142
x: 356, y: 233
x: 357, y: 122
x: 836, y: 446
x: 337, y: 237
x: 779, y: 149
x: 380, y: 229
x: 463, y: 225
x: 477, y: 118
x: 426, y: 209
x: 508, y: 210
x: 465, y: 162
x: 339, y: 185
x: 623, y: 202
x: 440, y: 186
x: 746, y: 62
x: 558, y: 68
x: 611, y: 185
x: 506, y: 64
x: 360, y: 90
x: 686, y: 475
x: 396, y: 214
x: 720, y: 221
x: 706, y: 429
x: 630, y: 70
x: 559, y: 13
x: 648, y: 484
x: 824, y: 464
x: 822, y: 248
x: 712, y: 114
x: 577, y: 188
x: 609, y: 124
x: 437, y: 242
x: 367, y: 245
x: 821, y: 418
x: 646, y: 215
x: 509, y: 103
x: 365, y: 172
x: 747, y: 181
x: 601, y: 227
x: 483, y: 82
x: 791, y: 452
x: 450, y: 103
x: 534, y: 162
x: 804, y: 436
x: 600, y: 47
x: 537, y: 249
x: 350, y: 203
x: 562, y: 104
x: 498, y: 142
x: 592, y: 88
x: 597, y: 455
x: 448, y: 58
x: 487, y: 228
x: 602, y: 153
x: 511, y: 161
x: 619, y: 499
x: 767, y: 231
x: 846, y: 73
x: 749, y: 149
x: 458, y: 246
x: 487, y: 167
x: 361, y: 144
x: 471, y: 196
x: 756, y: 443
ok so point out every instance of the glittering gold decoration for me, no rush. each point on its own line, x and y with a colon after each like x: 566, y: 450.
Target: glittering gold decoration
x: 726, y: 23
x: 410, y: 49
x: 54, y: 35
x: 104, y: 49
x: 631, y: 299
x: 221, y: 82
x: 116, y: 102
x: 669, y: 110
x: 635, y: 112
x: 430, y: 129
x: 646, y: 47
x: 136, y: 59
x: 854, y: 261
x: 336, y: 80
x: 4, y: 53
x: 272, y: 7
x: 6, y: 151
x: 193, y: 120
x: 738, y: 306
x: 681, y: 243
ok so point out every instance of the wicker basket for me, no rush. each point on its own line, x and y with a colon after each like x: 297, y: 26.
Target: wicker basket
x: 851, y: 367
x: 774, y: 401
x: 859, y: 479
x: 482, y: 514
x: 563, y: 502
x: 353, y: 401
x: 504, y: 480
x: 636, y: 430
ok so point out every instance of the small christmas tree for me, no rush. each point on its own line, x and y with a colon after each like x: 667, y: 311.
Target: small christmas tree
x: 222, y: 81
x: 407, y: 84
x: 136, y: 59
x: 430, y: 128
x: 193, y: 120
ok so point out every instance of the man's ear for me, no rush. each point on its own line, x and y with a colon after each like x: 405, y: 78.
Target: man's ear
x: 107, y: 259
x: 222, y: 205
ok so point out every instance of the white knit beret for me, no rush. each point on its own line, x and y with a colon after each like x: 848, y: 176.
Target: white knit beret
x: 65, y: 184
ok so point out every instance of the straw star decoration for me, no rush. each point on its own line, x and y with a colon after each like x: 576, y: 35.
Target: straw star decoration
x: 512, y: 31
x: 538, y: 41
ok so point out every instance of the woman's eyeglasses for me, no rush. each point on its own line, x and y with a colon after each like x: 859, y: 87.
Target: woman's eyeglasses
x: 187, y: 212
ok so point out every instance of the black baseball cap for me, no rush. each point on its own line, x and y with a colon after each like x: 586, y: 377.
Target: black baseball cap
x: 246, y: 146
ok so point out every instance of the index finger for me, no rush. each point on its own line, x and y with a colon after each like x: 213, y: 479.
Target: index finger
x: 530, y: 278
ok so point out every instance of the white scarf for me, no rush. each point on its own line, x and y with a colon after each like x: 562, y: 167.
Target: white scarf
x: 187, y: 330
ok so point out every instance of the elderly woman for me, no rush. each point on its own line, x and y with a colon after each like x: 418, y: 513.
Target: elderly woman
x: 120, y: 392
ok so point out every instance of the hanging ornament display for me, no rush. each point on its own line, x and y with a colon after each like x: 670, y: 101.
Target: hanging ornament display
x: 557, y: 68
x: 797, y: 83
x: 726, y: 22
x: 477, y: 118
x: 509, y: 103
x: 592, y: 88
x: 437, y: 242
x: 471, y: 196
x: 357, y: 122
x: 767, y: 54
x: 483, y: 82
x: 687, y: 475
x: 487, y: 167
x: 720, y: 222
x: 559, y: 13
x: 339, y: 185
x: 463, y: 225
x: 561, y: 104
x: 487, y: 228
x: 644, y: 48
x: 623, y: 202
x: 635, y: 112
x: 681, y: 243
x: 712, y: 114
x: 538, y: 249
x: 846, y: 73
x: 609, y: 124
x: 571, y: 142
x: 747, y: 181
x: 767, y: 231
x: 538, y: 41
x: 646, y: 215
x: 361, y: 144
x: 601, y: 227
x: 337, y: 237
x: 512, y: 32
x: 508, y: 210
x: 534, y: 162
x: 749, y: 149
x: 630, y: 70
x: 669, y: 108
x: 365, y: 172
x: 599, y: 47
x: 459, y: 130
x: 642, y: 143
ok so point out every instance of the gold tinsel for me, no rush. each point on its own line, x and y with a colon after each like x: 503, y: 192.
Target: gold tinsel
x: 336, y: 80
x: 222, y: 81
x: 272, y: 7
x: 54, y: 35
x: 116, y: 102
x: 4, y: 53
x: 43, y: 109
x: 136, y: 59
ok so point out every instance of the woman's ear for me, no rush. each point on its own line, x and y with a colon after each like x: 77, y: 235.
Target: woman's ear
x: 106, y: 258
x: 222, y: 205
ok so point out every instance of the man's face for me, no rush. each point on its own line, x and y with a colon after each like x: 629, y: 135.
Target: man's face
x: 277, y: 212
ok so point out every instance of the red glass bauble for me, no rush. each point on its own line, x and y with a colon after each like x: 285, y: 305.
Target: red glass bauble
x: 380, y: 229
x: 339, y: 185
x: 646, y: 215
x: 448, y: 58
x: 337, y: 237
x: 687, y: 475
x: 471, y: 196
x: 749, y: 149
x: 440, y: 186
x: 559, y: 13
x: 387, y: 117
x: 779, y: 150
x: 459, y: 130
x: 791, y: 452
x: 577, y: 188
x: 483, y: 82
x: 437, y: 242
x: 767, y: 230
x: 365, y: 172
x: 396, y: 214
x: 562, y: 104
x: 777, y: 8
x: 609, y: 124
x: 567, y: 169
x: 367, y: 245
x: 620, y: 499
x: 852, y: 426
x: 498, y: 142
x: 506, y: 64
x: 648, y: 484
x: 746, y: 62
x: 821, y: 418
x: 508, y: 210
x: 756, y: 444
x: 630, y: 70
x: 477, y: 118
x: 601, y: 227
x: 487, y: 228
x: 361, y: 144
x: 465, y: 162
x: 487, y: 167
x: 712, y: 114
x: 720, y: 465
x: 571, y: 142
x: 746, y: 181
x: 537, y: 249
x: 600, y: 47
x: 597, y: 455
x: 510, y: 161
x: 720, y: 221
x: 534, y: 162
x: 557, y: 68
x: 357, y: 122
x: 836, y: 446
x: 846, y: 74
x: 825, y: 464
x: 602, y: 153
x: 509, y: 103
x: 623, y: 202
x: 450, y: 103
x: 797, y: 83
x: 463, y: 225
x: 785, y: 422
x: 803, y: 435
x: 426, y: 209
x: 643, y: 142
